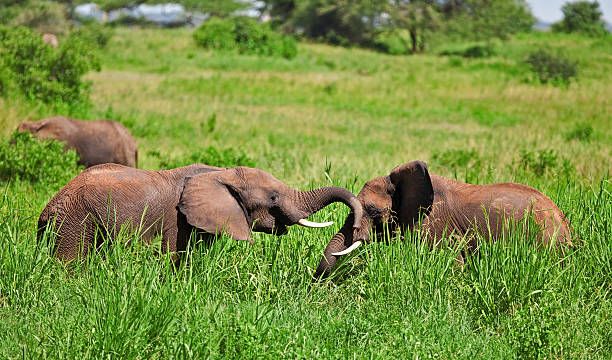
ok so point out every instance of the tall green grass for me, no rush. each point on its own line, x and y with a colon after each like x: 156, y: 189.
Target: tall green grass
x: 331, y: 116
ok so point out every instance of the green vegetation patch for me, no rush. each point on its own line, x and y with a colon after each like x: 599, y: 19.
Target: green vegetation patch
x: 25, y: 158
x: 39, y: 72
x: 245, y: 35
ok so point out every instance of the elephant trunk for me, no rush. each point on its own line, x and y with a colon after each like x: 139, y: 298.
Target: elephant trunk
x: 340, y: 242
x: 315, y: 200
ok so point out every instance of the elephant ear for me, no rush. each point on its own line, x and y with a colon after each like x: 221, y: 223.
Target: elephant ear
x: 209, y: 204
x: 413, y: 186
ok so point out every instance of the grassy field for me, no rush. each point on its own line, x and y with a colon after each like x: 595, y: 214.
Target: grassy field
x: 330, y: 116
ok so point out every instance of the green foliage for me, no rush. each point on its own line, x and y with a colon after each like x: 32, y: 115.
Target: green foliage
x: 474, y: 51
x: 93, y: 32
x: 212, y: 156
x: 394, y: 42
x: 245, y: 35
x: 534, y: 328
x: 555, y: 68
x: 483, y: 19
x: 25, y: 158
x: 40, y: 72
x: 544, y: 162
x: 40, y: 15
x: 581, y: 17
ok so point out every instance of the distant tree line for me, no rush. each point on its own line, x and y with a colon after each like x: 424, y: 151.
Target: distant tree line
x: 373, y: 23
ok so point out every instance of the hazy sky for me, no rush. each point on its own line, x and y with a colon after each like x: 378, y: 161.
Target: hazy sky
x: 550, y: 10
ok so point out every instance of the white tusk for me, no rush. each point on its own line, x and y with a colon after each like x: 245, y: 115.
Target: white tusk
x: 350, y: 248
x: 312, y: 224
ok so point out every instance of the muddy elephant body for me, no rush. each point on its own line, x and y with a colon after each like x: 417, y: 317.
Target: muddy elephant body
x: 96, y: 142
x: 93, y: 207
x: 409, y: 196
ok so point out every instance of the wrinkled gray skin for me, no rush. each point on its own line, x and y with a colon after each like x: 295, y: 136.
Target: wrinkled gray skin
x: 445, y: 206
x: 96, y: 141
x: 174, y: 202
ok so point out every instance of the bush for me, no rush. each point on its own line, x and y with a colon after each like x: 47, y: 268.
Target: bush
x: 40, y: 72
x: 550, y: 67
x: 94, y: 33
x: 475, y: 51
x: 212, y: 156
x: 395, y: 42
x: 25, y: 158
x: 245, y: 35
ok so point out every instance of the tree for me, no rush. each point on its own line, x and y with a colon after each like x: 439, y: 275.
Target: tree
x: 582, y: 17
x: 418, y: 17
x: 486, y: 19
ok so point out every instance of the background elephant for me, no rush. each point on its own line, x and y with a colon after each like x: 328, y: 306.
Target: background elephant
x: 96, y: 141
x: 445, y: 206
x: 173, y: 202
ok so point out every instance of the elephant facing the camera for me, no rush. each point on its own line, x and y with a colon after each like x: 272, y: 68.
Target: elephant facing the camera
x: 94, y: 205
x: 409, y: 196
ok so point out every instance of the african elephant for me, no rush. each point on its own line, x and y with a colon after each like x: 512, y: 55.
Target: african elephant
x: 443, y: 206
x: 95, y: 204
x: 96, y: 142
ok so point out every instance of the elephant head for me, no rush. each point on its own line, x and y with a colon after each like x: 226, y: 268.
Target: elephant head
x: 397, y: 199
x: 238, y: 200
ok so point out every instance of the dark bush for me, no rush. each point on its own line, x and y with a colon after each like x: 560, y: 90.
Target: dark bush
x: 475, y: 51
x: 95, y: 33
x: 212, y: 156
x: 41, y: 72
x: 25, y: 158
x: 245, y: 35
x: 555, y: 68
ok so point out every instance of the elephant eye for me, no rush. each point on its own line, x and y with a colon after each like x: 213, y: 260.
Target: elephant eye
x: 373, y: 211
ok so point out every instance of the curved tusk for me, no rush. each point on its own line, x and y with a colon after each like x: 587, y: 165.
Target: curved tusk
x: 350, y: 248
x: 312, y: 224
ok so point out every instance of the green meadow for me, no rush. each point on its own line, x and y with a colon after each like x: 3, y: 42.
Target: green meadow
x: 331, y: 116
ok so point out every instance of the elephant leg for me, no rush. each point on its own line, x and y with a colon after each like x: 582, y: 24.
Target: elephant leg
x: 74, y: 239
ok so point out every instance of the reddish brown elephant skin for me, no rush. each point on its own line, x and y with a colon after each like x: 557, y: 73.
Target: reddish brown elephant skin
x: 445, y: 206
x: 175, y: 202
x: 96, y: 141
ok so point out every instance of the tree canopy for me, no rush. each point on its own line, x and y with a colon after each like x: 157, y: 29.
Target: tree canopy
x: 582, y: 17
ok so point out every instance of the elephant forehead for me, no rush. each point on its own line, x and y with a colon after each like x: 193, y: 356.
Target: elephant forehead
x: 375, y: 192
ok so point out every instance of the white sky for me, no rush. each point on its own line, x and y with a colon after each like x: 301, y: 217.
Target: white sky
x: 550, y: 10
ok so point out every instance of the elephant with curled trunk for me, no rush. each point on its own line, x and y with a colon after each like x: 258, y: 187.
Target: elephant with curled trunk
x: 96, y: 203
x: 96, y: 142
x: 444, y: 207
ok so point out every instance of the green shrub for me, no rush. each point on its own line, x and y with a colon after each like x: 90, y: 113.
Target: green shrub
x: 25, y: 158
x: 40, y: 72
x: 396, y: 42
x: 212, y: 156
x: 475, y: 52
x: 95, y: 33
x: 245, y: 35
x: 555, y: 68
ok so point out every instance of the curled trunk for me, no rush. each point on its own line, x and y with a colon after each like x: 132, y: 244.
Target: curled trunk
x: 315, y: 200
x: 340, y: 242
